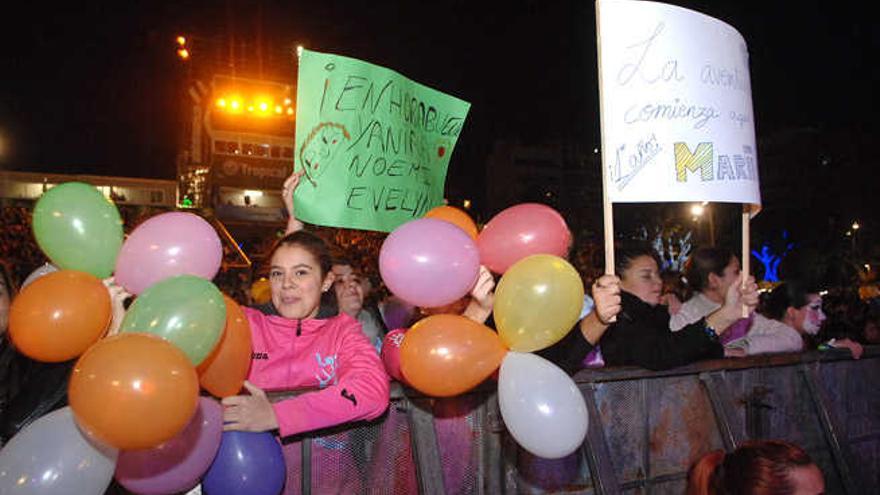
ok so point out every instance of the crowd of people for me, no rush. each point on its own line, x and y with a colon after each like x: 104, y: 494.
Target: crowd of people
x: 323, y: 324
x: 18, y: 249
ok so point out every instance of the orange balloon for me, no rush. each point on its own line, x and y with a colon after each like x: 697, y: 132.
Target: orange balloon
x: 133, y: 391
x: 59, y: 315
x: 446, y: 355
x: 224, y: 370
x: 456, y: 217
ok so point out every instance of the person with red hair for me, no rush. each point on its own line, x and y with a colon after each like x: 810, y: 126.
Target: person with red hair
x: 756, y: 468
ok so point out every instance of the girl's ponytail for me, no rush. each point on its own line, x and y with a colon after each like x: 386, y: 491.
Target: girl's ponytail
x: 702, y: 479
x: 755, y: 467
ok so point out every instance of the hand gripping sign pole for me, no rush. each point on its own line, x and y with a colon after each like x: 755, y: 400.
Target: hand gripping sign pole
x: 676, y: 111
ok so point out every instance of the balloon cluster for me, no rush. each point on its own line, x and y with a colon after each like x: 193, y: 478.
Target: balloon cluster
x: 434, y: 261
x: 134, y: 396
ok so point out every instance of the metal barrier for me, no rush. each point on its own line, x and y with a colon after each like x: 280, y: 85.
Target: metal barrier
x: 646, y: 428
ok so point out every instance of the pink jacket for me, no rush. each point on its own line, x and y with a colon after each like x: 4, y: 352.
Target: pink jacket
x: 330, y: 354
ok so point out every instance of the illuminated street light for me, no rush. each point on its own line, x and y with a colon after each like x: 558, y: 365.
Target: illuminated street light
x: 299, y: 51
x: 221, y: 103
x: 181, y: 40
x: 855, y: 225
x: 289, y: 111
x: 278, y: 109
x: 697, y: 210
x: 183, y: 53
x: 287, y: 101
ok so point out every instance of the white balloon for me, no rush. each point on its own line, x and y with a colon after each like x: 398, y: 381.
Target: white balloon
x: 46, y: 269
x: 541, y: 406
x: 52, y: 456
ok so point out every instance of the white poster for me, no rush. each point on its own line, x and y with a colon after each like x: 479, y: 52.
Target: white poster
x: 676, y: 101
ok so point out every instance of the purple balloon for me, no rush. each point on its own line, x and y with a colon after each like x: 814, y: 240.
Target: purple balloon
x: 166, y: 245
x: 397, y: 313
x: 176, y: 465
x: 429, y: 262
x: 247, y: 462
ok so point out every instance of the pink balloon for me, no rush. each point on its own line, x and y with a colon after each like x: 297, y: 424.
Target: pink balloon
x: 429, y: 262
x: 391, y: 353
x: 176, y: 465
x: 520, y: 231
x: 166, y: 245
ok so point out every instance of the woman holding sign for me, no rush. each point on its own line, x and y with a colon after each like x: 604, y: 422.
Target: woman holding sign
x: 298, y: 344
x: 350, y: 286
x: 632, y: 327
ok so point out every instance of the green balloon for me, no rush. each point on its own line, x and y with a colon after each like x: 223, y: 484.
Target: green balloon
x: 185, y: 310
x: 78, y: 228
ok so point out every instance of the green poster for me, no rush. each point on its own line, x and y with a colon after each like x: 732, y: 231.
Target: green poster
x: 374, y: 145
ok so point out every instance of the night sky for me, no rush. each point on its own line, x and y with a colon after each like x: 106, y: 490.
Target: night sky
x: 98, y: 89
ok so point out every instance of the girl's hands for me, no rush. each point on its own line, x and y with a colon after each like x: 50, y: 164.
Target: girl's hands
x: 249, y: 412
x: 118, y: 295
x: 482, y: 297
x: 290, y: 185
x: 606, y: 295
x: 739, y: 295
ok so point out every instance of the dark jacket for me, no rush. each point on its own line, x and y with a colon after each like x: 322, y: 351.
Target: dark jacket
x: 640, y: 337
x: 28, y: 389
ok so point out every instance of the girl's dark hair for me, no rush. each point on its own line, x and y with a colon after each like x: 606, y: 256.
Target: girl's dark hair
x: 704, y: 261
x: 674, y: 283
x: 791, y: 294
x: 626, y: 253
x: 343, y: 259
x: 311, y: 243
x: 755, y: 468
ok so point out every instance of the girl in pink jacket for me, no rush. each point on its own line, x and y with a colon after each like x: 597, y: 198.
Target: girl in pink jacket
x: 295, y: 348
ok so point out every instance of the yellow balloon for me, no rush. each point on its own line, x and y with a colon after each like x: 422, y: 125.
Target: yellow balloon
x: 261, y: 293
x: 537, y: 302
